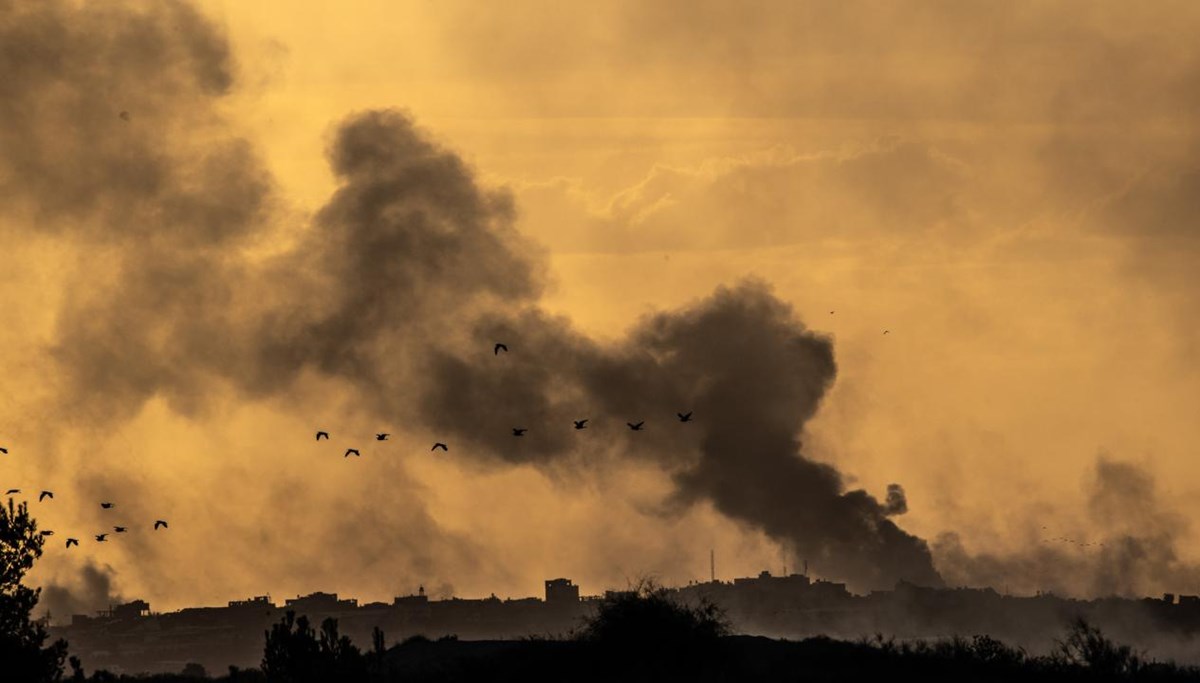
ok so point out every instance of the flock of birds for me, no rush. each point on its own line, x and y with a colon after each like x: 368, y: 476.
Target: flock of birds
x: 516, y: 431
x: 101, y: 537
x: 1073, y: 541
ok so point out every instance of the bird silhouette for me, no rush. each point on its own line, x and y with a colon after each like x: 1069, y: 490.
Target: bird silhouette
x: 119, y: 529
x: 831, y: 313
x: 519, y: 431
x: 3, y: 450
x: 636, y: 427
x: 45, y: 494
x: 352, y: 451
x: 106, y: 506
x: 124, y: 115
x: 499, y: 347
x: 12, y: 491
x: 101, y: 537
x: 322, y: 434
x: 47, y: 532
x: 382, y: 436
x: 580, y: 424
x: 161, y: 523
x: 886, y: 331
x: 439, y: 445
x: 685, y: 417
x: 72, y: 541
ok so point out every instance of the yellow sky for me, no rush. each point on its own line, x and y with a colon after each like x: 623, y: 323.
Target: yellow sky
x: 1004, y: 188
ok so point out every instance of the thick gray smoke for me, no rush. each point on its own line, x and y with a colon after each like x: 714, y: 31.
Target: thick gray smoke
x: 91, y: 592
x: 748, y: 370
x: 1136, y: 555
x: 897, y: 502
x: 399, y: 287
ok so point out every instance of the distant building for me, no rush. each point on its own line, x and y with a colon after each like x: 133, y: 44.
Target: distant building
x: 131, y: 610
x: 263, y: 601
x: 130, y: 638
x: 561, y: 592
x: 320, y: 603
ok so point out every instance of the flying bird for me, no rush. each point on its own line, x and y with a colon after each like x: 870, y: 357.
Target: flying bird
x: 382, y: 436
x: 124, y: 115
x: 3, y: 450
x: 45, y: 494
x: 119, y: 529
x: 886, y: 331
x: 352, y: 451
x: 72, y: 541
x: 519, y: 431
x: 499, y: 347
x: 12, y: 491
x: 580, y: 424
x: 439, y: 445
x: 106, y: 506
x: 636, y: 427
x: 685, y: 417
x: 159, y: 523
x: 101, y: 537
x: 322, y: 434
x: 47, y: 532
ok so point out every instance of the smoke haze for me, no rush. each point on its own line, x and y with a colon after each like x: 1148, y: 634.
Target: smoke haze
x: 202, y: 272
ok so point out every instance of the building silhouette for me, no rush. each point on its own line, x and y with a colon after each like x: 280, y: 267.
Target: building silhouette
x: 130, y: 638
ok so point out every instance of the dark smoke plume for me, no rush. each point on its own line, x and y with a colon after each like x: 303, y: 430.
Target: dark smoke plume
x: 897, y: 502
x: 752, y: 373
x: 399, y: 288
x: 92, y: 592
x: 418, y: 253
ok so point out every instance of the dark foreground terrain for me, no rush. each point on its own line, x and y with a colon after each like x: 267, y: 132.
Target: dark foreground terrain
x: 731, y: 658
x: 646, y: 636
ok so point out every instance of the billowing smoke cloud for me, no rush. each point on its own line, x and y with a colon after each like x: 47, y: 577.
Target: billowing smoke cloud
x: 398, y: 289
x: 751, y: 374
x: 91, y: 591
x: 1135, y: 555
x: 896, y: 502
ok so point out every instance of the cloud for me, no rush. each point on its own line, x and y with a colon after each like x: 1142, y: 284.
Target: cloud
x: 891, y: 188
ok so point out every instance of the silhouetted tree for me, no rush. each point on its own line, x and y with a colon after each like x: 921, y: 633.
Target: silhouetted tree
x: 1086, y: 646
x: 295, y: 654
x: 194, y: 670
x: 22, y: 638
x: 76, y: 669
x: 376, y: 664
x: 651, y: 614
x: 647, y: 632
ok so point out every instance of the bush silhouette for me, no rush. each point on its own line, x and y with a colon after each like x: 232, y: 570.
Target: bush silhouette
x: 21, y: 639
x: 1085, y: 646
x: 647, y: 631
x: 295, y: 654
x: 194, y: 670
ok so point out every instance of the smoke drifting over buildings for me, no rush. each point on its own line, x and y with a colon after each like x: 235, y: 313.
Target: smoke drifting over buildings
x: 399, y: 287
x: 190, y: 281
x: 92, y: 591
x: 1137, y: 553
